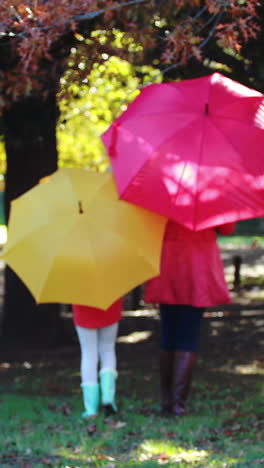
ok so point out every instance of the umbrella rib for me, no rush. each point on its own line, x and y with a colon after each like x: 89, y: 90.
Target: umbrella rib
x: 128, y: 240
x: 68, y: 234
x: 51, y: 264
x: 136, y: 252
x: 222, y: 117
x: 13, y: 249
x: 53, y: 259
x: 23, y: 237
x: 230, y: 181
x: 197, y: 177
x: 241, y: 191
x: 136, y: 248
x: 164, y: 142
x: 199, y: 161
x: 225, y: 136
x: 149, y: 114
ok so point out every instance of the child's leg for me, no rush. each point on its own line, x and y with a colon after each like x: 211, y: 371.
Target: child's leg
x: 106, y: 346
x: 108, y: 373
x: 88, y: 339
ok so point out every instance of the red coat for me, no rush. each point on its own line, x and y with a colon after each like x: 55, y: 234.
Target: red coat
x: 91, y: 317
x: 191, y: 271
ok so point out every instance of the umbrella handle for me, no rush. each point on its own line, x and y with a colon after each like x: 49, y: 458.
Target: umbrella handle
x: 80, y: 207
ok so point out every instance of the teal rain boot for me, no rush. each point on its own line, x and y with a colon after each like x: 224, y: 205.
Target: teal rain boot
x: 108, y: 387
x: 90, y: 399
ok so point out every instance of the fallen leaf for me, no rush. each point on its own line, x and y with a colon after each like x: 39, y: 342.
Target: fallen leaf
x: 91, y: 429
x: 47, y: 462
x: 148, y: 378
x: 117, y: 424
x: 52, y: 407
x: 54, y: 388
x: 56, y: 428
x: 4, y: 366
x: 65, y: 409
x: 162, y: 456
x: 102, y: 456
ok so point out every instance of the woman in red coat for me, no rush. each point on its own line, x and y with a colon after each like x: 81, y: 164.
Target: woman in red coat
x: 191, y: 279
x: 97, y: 330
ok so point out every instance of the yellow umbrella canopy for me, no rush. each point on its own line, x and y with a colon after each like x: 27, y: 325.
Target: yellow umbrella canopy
x: 71, y: 240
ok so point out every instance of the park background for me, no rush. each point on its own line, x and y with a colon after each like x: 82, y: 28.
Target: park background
x: 40, y: 397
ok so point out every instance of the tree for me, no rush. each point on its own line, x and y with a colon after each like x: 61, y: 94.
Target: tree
x: 42, y: 39
x: 90, y: 108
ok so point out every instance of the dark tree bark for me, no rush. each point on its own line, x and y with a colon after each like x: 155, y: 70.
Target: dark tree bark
x: 30, y: 142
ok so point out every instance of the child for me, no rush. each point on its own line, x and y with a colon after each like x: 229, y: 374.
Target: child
x: 97, y: 331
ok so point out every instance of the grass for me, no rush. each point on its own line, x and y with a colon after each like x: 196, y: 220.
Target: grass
x: 40, y: 424
x: 240, y: 241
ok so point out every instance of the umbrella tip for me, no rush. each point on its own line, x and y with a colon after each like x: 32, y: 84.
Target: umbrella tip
x: 80, y: 207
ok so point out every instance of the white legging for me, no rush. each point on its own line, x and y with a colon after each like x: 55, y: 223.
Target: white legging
x: 96, y: 344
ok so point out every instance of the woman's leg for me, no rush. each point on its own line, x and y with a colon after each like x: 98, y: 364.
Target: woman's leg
x: 168, y: 319
x: 186, y: 336
x: 108, y: 373
x: 187, y: 327
x: 167, y: 328
x: 88, y: 339
x: 180, y: 329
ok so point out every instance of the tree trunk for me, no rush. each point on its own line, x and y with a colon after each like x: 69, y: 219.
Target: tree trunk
x: 30, y: 142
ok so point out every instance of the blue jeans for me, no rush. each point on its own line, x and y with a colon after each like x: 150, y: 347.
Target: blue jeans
x: 180, y: 327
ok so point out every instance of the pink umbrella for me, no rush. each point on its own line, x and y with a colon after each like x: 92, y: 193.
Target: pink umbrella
x: 192, y: 151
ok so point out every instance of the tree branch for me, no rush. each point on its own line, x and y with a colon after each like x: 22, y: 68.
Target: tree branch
x: 79, y: 18
x: 178, y: 64
x: 94, y: 14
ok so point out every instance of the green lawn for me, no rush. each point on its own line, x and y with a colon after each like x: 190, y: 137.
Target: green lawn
x: 40, y: 424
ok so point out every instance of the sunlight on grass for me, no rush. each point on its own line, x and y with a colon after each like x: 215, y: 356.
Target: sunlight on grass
x: 253, y: 368
x: 247, y: 270
x: 3, y: 234
x: 141, y: 313
x: 47, y: 430
x: 231, y: 242
x: 165, y: 450
x: 134, y: 337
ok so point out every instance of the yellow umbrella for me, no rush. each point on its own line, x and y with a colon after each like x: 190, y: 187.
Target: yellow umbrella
x: 71, y: 240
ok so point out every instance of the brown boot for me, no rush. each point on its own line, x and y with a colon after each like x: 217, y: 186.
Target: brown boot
x: 183, y: 364
x: 166, y: 374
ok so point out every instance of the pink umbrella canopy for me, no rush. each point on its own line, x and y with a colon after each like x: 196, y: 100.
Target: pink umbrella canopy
x: 192, y: 151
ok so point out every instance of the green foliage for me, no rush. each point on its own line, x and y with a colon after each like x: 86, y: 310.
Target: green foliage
x: 2, y: 158
x: 91, y: 106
